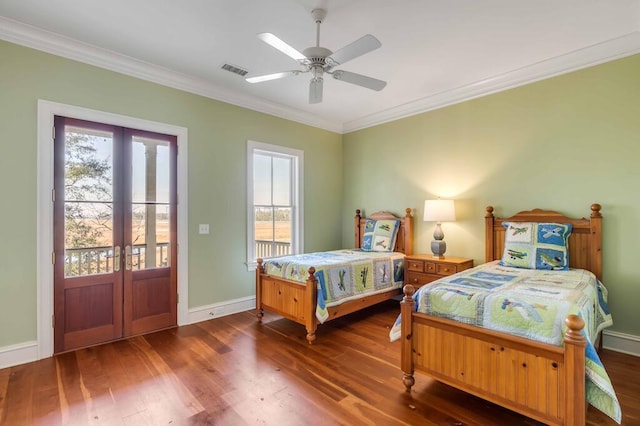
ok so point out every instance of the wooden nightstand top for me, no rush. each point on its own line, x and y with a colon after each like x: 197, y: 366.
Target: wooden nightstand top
x: 430, y: 258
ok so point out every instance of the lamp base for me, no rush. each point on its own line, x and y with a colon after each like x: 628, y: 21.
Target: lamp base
x: 438, y: 247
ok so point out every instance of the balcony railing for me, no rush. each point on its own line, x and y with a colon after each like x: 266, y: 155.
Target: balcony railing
x: 99, y: 260
x: 266, y: 248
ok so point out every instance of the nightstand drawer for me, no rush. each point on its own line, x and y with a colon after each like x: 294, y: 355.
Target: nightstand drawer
x: 446, y: 269
x: 415, y: 265
x: 417, y: 279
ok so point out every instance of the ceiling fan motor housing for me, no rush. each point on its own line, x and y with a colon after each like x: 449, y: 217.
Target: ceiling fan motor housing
x: 315, y: 56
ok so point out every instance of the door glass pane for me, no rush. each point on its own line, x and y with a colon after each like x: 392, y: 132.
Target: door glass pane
x: 150, y: 172
x: 150, y: 236
x: 88, y: 202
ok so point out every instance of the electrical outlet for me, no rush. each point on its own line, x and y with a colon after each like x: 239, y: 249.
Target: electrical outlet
x: 203, y: 228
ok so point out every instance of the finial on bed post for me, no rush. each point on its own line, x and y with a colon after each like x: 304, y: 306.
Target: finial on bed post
x: 595, y: 210
x: 489, y: 211
x: 407, y: 306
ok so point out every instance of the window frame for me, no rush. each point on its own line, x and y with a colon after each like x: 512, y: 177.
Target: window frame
x: 296, y: 185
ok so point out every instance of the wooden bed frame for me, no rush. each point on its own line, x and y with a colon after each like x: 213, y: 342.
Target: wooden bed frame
x: 541, y: 381
x: 297, y: 301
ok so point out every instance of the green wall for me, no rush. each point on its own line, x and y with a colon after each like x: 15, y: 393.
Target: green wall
x: 216, y: 175
x: 560, y: 144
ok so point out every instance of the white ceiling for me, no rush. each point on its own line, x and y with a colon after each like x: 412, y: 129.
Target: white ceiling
x: 434, y: 52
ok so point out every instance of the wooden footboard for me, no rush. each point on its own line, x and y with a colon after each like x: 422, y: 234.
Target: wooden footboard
x: 541, y: 381
x: 290, y: 299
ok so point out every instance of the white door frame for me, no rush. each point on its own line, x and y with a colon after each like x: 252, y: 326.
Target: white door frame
x: 46, y: 111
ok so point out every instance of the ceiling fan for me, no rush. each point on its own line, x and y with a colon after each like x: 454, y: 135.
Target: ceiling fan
x: 318, y: 60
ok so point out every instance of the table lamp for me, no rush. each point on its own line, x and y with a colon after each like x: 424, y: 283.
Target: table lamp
x: 439, y: 211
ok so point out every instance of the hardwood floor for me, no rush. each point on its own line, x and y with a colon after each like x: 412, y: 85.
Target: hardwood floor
x: 235, y: 371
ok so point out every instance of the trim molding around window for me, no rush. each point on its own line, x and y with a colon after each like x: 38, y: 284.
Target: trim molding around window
x: 46, y: 112
x: 295, y: 202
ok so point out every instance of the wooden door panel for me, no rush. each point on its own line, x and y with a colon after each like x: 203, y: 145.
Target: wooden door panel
x: 151, y: 302
x: 88, y: 307
x: 92, y: 313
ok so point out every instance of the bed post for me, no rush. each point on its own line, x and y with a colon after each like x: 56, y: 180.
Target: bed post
x: 407, y: 307
x: 356, y: 227
x: 310, y: 321
x: 574, y: 362
x: 489, y: 245
x: 596, y: 239
x: 408, y: 232
x: 259, y: 272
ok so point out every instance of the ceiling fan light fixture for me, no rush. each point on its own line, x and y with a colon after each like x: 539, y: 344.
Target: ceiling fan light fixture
x: 316, y: 72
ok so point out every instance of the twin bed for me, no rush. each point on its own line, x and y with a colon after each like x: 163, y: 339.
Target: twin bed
x: 542, y: 380
x: 292, y: 291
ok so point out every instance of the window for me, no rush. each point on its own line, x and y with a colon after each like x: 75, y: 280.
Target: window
x: 274, y: 220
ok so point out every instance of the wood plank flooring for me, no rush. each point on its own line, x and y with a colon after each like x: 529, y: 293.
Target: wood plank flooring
x: 236, y: 371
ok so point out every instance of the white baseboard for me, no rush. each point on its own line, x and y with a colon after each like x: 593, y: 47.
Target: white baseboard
x: 621, y: 342
x: 216, y: 310
x: 18, y: 354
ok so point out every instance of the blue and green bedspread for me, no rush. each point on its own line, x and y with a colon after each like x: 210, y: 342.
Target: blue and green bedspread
x: 342, y: 274
x: 529, y: 303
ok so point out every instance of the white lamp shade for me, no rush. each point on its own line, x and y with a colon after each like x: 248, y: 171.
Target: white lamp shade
x: 439, y: 211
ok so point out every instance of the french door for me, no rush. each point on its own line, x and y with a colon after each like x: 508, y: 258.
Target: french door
x: 115, y: 231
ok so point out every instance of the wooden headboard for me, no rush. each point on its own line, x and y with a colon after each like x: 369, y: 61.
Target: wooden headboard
x: 404, y: 242
x: 585, y: 242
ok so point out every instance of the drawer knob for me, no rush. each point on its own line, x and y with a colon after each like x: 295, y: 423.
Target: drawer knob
x: 415, y: 280
x: 446, y: 269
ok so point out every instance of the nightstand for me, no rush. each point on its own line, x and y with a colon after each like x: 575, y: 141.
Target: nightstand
x: 421, y: 269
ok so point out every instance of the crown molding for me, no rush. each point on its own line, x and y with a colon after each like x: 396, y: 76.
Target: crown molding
x: 36, y: 38
x: 626, y: 45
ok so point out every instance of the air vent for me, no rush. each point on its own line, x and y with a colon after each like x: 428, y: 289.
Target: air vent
x: 234, y: 69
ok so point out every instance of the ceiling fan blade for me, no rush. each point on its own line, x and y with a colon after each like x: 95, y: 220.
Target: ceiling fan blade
x: 315, y: 90
x: 360, y: 80
x: 274, y: 76
x: 359, y: 47
x: 274, y: 41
